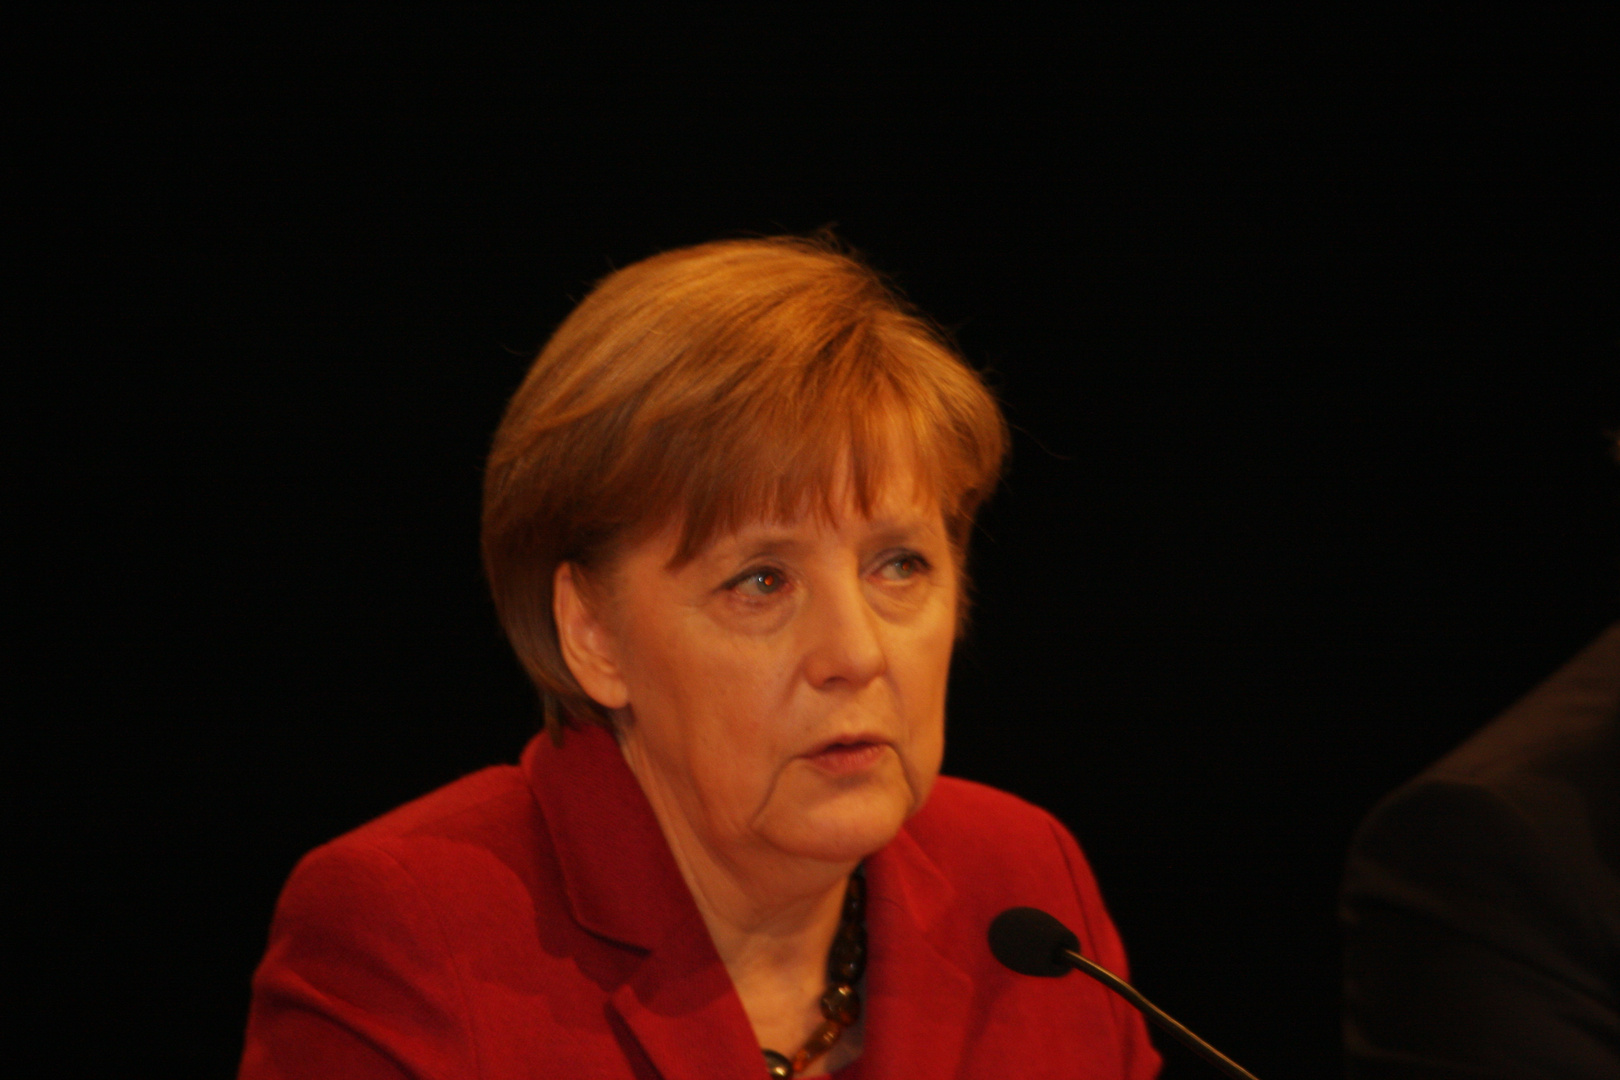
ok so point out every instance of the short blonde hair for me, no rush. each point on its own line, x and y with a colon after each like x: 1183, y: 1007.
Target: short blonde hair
x: 715, y: 385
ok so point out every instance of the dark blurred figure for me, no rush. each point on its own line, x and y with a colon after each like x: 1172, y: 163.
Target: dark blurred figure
x: 1482, y: 899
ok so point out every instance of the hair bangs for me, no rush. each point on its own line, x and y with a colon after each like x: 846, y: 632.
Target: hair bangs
x: 773, y: 448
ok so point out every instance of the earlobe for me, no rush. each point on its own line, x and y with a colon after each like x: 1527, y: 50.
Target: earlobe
x: 587, y: 645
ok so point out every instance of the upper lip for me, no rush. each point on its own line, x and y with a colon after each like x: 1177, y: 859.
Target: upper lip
x: 854, y: 739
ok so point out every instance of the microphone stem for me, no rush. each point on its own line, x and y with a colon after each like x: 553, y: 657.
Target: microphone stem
x: 1159, y: 1016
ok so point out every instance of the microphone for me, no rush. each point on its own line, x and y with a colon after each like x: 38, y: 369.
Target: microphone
x: 1031, y: 942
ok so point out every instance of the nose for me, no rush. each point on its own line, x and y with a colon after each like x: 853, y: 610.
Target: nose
x: 846, y: 643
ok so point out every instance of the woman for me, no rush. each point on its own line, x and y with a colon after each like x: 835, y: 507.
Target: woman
x: 725, y: 523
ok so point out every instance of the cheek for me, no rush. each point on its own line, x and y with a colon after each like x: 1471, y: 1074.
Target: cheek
x: 926, y: 674
x: 709, y: 690
x: 932, y: 651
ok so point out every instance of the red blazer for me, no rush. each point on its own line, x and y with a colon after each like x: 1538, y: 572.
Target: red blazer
x: 530, y: 921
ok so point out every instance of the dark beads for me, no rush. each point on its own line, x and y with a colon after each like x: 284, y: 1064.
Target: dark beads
x: 821, y: 1040
x: 841, y: 1003
x: 847, y: 958
x: 855, y: 899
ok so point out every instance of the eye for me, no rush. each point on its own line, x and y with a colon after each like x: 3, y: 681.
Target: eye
x: 907, y: 564
x: 760, y: 582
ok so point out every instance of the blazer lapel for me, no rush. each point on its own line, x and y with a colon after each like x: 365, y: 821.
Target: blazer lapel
x: 918, y: 1000
x: 678, y: 1002
x: 623, y: 885
x: 621, y: 880
x: 682, y: 1009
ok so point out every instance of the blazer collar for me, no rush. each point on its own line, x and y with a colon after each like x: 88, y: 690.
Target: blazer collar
x: 919, y: 995
x: 621, y: 880
x: 622, y: 884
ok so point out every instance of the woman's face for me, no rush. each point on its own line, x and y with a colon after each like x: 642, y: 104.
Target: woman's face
x: 785, y: 690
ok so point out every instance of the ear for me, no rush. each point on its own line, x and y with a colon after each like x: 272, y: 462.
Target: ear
x: 588, y: 647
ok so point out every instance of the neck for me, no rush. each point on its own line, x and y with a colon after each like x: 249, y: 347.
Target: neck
x: 772, y: 917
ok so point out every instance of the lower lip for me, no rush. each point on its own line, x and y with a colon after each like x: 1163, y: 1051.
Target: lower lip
x: 844, y: 758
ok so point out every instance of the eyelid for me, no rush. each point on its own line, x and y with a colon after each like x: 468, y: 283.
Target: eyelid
x: 895, y: 555
x: 886, y: 559
x: 732, y: 584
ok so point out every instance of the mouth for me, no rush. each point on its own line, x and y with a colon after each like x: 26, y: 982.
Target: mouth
x: 844, y: 756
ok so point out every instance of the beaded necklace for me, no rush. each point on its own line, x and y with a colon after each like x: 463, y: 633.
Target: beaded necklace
x: 841, y: 1004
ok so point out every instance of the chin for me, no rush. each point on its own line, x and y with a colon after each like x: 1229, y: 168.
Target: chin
x: 846, y: 828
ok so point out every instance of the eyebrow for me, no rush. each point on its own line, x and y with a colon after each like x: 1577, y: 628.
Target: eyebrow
x: 772, y: 541
x: 767, y: 544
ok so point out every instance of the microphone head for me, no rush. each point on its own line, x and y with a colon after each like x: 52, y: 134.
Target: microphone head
x: 1031, y: 942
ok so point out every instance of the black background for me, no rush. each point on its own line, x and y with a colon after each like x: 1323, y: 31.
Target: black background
x: 1306, y: 324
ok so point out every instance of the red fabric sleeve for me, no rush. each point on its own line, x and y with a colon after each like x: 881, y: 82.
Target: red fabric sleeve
x: 358, y: 981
